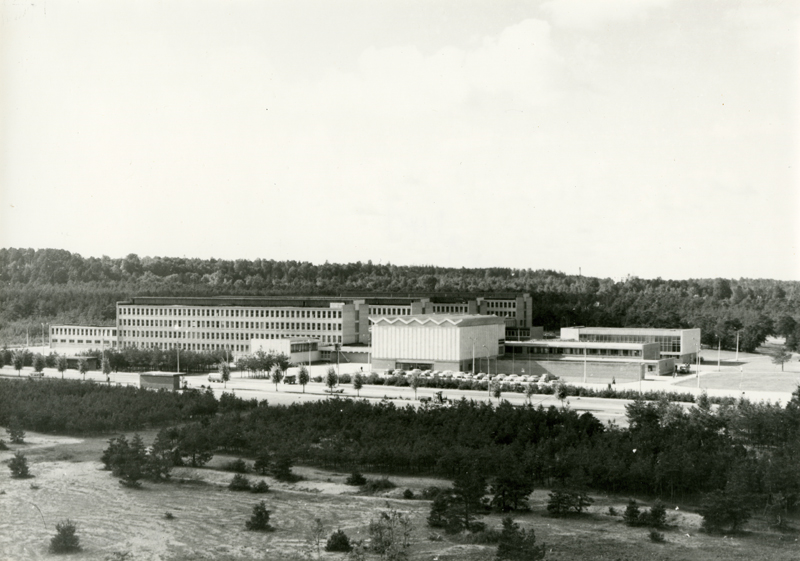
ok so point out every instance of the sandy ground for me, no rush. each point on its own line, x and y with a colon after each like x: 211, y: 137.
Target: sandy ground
x: 116, y: 523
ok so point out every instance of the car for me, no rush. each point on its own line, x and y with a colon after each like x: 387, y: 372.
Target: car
x: 215, y: 377
x: 35, y: 374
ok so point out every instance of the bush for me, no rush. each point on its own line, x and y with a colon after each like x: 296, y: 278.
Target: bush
x: 377, y: 485
x: 338, y: 541
x: 408, y: 494
x: 632, y: 516
x: 612, y: 511
x: 345, y: 379
x: 657, y: 517
x: 656, y: 536
x: 19, y: 466
x: 430, y: 493
x: 721, y: 510
x: 15, y: 433
x: 3, y: 445
x: 317, y: 379
x: 485, y: 537
x: 260, y: 487
x: 563, y: 502
x: 516, y: 544
x: 239, y: 483
x: 259, y: 521
x: 356, y: 479
x: 238, y: 466
x: 65, y: 540
x: 169, y: 516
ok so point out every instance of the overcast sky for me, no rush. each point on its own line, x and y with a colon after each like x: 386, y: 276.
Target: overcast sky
x: 643, y: 137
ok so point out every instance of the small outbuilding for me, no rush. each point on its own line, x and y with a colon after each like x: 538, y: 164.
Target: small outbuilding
x: 160, y: 380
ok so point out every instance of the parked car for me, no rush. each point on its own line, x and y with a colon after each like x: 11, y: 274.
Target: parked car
x: 35, y: 374
x: 215, y: 377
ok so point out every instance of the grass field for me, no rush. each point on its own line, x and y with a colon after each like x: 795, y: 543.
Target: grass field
x: 118, y: 523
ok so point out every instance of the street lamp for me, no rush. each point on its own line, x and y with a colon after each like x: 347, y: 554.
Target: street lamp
x: 176, y: 326
x: 488, y: 367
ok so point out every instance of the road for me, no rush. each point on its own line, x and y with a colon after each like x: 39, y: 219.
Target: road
x: 606, y: 410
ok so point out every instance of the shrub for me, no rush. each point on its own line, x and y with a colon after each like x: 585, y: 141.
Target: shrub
x: 19, y: 466
x: 516, y: 544
x: 15, y: 433
x: 377, y: 485
x: 263, y: 462
x: 282, y: 469
x: 259, y: 521
x: 65, y: 540
x: 239, y: 483
x: 260, y: 487
x: 3, y: 444
x: 317, y: 379
x: 345, y: 379
x: 657, y: 517
x: 485, y: 537
x: 430, y: 493
x: 238, y: 466
x: 356, y: 479
x: 656, y: 536
x: 338, y: 541
x: 408, y: 494
x: 632, y: 516
x: 169, y: 516
x: 612, y: 511
x: 721, y: 510
x: 563, y: 502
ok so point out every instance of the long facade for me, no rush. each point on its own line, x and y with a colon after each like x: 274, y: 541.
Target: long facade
x: 683, y: 345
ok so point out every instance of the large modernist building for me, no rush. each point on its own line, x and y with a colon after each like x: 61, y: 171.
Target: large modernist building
x: 435, y: 341
x: 582, y: 360
x: 682, y: 345
x: 79, y: 338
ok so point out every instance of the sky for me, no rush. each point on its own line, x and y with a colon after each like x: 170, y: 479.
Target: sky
x: 655, y: 138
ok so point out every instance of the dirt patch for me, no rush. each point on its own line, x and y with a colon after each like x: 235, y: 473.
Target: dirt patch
x: 209, y: 520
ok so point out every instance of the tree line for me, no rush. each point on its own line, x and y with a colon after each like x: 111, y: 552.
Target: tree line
x: 744, y: 454
x: 56, y: 286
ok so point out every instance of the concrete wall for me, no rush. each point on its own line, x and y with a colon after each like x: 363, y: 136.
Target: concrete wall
x: 572, y: 371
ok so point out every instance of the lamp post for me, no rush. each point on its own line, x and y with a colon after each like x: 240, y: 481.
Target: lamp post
x: 178, y: 343
x: 42, y: 338
x: 488, y: 365
x: 737, y: 344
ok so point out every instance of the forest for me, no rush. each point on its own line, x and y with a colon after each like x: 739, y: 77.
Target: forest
x: 745, y: 453
x: 48, y: 286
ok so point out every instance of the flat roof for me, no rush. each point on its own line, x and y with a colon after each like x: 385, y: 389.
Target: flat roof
x: 560, y: 343
x: 458, y: 320
x: 636, y: 330
x: 252, y: 301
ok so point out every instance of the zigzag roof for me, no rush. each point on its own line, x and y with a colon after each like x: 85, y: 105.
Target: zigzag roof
x: 457, y: 320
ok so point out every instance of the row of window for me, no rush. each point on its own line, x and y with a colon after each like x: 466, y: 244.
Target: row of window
x: 216, y: 312
x: 450, y: 309
x: 514, y: 349
x: 390, y: 311
x: 83, y: 342
x: 502, y: 304
x: 140, y: 334
x: 186, y: 346
x: 206, y: 324
x: 668, y: 343
x: 85, y: 331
